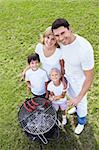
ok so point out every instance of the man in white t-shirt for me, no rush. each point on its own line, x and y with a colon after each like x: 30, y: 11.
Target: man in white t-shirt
x: 78, y: 57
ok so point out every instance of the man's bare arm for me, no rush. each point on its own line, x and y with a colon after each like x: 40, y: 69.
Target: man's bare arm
x: 86, y: 85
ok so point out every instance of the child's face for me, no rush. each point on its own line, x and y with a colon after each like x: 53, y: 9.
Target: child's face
x: 49, y: 41
x: 55, y: 76
x: 34, y: 65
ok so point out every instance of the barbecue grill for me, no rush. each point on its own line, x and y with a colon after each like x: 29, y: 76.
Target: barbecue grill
x: 39, y: 121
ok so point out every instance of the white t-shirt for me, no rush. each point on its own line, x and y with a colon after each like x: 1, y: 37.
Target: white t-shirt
x: 57, y: 90
x: 49, y: 62
x: 78, y: 56
x: 37, y: 80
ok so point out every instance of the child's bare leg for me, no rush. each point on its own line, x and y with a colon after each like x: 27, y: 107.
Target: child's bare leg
x: 64, y: 119
x: 64, y: 112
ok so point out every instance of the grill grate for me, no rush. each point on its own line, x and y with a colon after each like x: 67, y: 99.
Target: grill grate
x: 39, y: 121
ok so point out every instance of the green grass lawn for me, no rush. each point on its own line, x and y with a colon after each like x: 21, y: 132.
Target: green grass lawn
x: 21, y: 22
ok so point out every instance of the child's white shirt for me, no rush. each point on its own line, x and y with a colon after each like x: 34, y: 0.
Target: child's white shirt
x: 37, y: 80
x: 57, y: 90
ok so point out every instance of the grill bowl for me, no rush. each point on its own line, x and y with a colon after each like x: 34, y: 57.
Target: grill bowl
x: 40, y: 121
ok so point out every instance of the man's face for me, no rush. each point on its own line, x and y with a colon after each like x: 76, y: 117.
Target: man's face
x: 63, y: 35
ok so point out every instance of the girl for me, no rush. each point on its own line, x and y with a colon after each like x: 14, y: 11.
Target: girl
x: 57, y: 93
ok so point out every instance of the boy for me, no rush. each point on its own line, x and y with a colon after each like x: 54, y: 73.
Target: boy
x: 36, y: 78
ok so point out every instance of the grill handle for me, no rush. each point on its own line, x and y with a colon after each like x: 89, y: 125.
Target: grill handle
x: 60, y: 126
x: 42, y: 138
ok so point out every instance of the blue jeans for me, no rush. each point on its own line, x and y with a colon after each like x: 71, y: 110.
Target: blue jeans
x: 82, y: 120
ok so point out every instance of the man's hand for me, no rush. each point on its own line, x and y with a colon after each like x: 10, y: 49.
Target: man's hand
x: 74, y: 102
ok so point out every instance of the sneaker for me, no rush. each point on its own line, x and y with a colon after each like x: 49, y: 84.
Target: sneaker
x: 72, y: 111
x: 64, y: 121
x: 79, y: 129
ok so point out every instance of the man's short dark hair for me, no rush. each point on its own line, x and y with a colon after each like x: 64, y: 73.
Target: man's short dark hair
x: 59, y: 23
x: 33, y: 57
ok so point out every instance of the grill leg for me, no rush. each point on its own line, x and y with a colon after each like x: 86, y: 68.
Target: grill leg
x: 41, y: 146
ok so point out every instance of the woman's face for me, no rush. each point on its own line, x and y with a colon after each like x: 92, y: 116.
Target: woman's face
x: 49, y: 41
